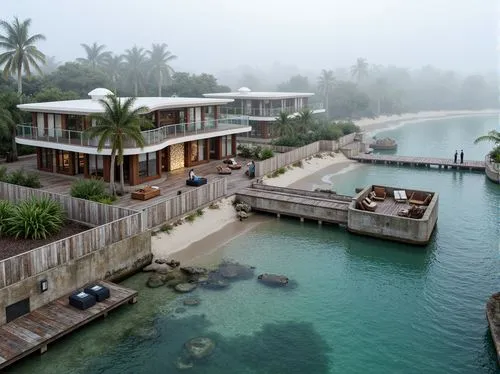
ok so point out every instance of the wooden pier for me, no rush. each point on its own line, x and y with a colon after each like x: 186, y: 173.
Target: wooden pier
x: 420, y: 161
x: 34, y: 331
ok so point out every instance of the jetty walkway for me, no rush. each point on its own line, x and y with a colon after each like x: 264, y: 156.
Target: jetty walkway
x: 419, y: 161
x: 318, y: 206
x: 34, y: 331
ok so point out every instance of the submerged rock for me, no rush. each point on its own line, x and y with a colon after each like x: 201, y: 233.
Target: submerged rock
x: 215, y: 281
x: 193, y: 270
x: 180, y: 310
x: 199, y: 347
x: 185, y: 287
x: 234, y: 270
x: 273, y: 280
x: 183, y: 363
x: 157, y: 267
x: 146, y: 333
x: 192, y: 301
x: 156, y: 280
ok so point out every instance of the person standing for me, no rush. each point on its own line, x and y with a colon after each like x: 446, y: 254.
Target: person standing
x: 462, y: 156
x: 456, y: 157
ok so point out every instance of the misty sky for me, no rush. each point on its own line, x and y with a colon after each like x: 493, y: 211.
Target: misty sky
x: 210, y: 35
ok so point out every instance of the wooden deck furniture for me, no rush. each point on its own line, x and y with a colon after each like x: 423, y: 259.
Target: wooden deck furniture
x: 223, y: 170
x: 380, y: 194
x: 369, y: 205
x: 400, y: 196
x: 420, y: 198
x: 196, y: 183
x: 146, y: 193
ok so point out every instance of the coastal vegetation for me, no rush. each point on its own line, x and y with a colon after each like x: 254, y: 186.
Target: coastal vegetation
x: 20, y: 177
x: 494, y: 137
x: 91, y: 189
x: 254, y: 152
x: 35, y: 218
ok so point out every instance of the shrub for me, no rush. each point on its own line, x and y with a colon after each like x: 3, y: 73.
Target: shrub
x: 281, y: 171
x: 214, y: 206
x: 265, y: 154
x: 495, y: 154
x: 167, y: 228
x: 35, y: 219
x: 199, y: 212
x: 191, y: 217
x: 245, y: 151
x: 3, y: 173
x: 21, y: 178
x: 91, y: 189
x: 6, y: 211
x: 298, y: 164
x: 348, y: 127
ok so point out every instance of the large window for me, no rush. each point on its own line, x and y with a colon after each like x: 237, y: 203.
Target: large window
x: 96, y: 165
x: 74, y: 122
x: 197, y: 150
x: 46, y: 159
x: 63, y: 162
x: 147, y: 164
x: 226, y: 145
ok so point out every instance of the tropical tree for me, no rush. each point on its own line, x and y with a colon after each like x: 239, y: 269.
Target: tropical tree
x: 283, y: 125
x: 119, y: 122
x: 135, y: 63
x: 10, y: 116
x: 113, y: 66
x: 21, y: 51
x: 360, y: 69
x: 492, y: 136
x: 159, y: 59
x: 304, y: 120
x: 326, y: 82
x: 96, y: 55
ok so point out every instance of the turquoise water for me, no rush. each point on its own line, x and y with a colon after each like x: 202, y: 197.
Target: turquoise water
x: 360, y: 305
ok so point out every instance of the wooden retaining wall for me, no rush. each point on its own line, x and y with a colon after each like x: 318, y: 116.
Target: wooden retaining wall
x: 38, y: 260
x: 284, y: 159
x: 492, y: 171
x: 81, y: 210
x: 180, y: 205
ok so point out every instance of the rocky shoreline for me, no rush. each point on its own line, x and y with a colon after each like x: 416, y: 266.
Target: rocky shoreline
x: 493, y: 316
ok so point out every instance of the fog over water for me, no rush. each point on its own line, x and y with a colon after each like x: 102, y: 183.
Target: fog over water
x: 214, y: 35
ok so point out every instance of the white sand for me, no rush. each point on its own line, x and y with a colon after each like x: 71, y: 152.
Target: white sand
x: 309, y: 167
x: 375, y: 122
x: 165, y: 245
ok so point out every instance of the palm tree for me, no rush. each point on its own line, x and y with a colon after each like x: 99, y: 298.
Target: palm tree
x: 119, y: 122
x: 21, y: 51
x: 304, y: 120
x: 10, y: 117
x: 135, y: 60
x: 326, y: 82
x: 360, y: 69
x: 492, y: 136
x: 96, y: 55
x: 114, y: 67
x: 283, y: 125
x: 159, y: 58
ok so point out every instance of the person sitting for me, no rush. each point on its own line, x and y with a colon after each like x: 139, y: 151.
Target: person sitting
x: 251, y: 169
x: 193, y: 176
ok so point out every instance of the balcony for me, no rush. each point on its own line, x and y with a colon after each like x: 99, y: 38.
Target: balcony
x: 268, y: 112
x: 151, y: 137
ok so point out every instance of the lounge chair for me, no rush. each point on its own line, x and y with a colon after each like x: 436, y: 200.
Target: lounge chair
x: 232, y: 164
x: 196, y: 182
x: 369, y: 205
x: 420, y: 198
x: 223, y: 170
x: 379, y: 193
x: 400, y: 196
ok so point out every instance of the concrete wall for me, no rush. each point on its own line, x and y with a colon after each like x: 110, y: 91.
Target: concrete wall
x: 492, y: 171
x: 321, y: 195
x: 111, y: 262
x: 306, y: 211
x: 408, y: 230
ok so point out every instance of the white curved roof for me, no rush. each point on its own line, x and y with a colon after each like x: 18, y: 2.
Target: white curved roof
x: 100, y: 92
x: 244, y: 89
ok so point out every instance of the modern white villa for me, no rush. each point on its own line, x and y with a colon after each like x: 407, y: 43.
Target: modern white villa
x: 187, y: 132
x: 262, y: 108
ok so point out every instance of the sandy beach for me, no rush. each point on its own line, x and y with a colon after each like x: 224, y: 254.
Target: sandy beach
x: 198, y: 241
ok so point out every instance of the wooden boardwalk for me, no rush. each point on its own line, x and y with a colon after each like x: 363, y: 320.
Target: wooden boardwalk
x: 419, y: 161
x: 34, y: 331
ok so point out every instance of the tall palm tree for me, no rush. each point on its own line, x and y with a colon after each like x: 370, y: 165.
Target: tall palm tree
x: 21, y: 51
x: 135, y: 63
x: 283, y: 125
x: 96, y: 55
x: 113, y: 66
x: 360, y: 69
x: 304, y: 120
x: 10, y: 117
x: 119, y: 122
x: 326, y: 82
x: 159, y: 59
x: 492, y: 136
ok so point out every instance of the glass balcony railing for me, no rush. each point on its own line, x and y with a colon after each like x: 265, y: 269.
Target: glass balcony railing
x: 268, y: 112
x: 151, y: 137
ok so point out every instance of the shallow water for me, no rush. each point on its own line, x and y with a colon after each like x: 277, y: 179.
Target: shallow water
x: 360, y: 305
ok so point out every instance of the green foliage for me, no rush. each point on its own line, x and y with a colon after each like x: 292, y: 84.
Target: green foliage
x: 91, y: 189
x: 35, y: 218
x: 266, y: 153
x: 199, y: 212
x: 3, y: 173
x: 192, y: 85
x: 6, y: 211
x: 191, y: 217
x: 167, y: 228
x: 22, y: 178
x: 54, y: 94
x: 298, y: 164
x: 297, y: 83
x: 256, y: 152
x: 78, y: 78
x: 495, y: 154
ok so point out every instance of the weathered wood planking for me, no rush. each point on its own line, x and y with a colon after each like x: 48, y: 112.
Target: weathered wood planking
x: 81, y: 210
x: 44, y: 325
x: 179, y: 205
x: 425, y: 161
x: 28, y: 264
